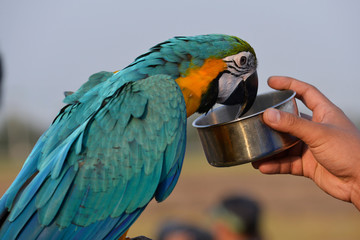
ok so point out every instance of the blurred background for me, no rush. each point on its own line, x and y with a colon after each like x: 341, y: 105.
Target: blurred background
x: 48, y: 47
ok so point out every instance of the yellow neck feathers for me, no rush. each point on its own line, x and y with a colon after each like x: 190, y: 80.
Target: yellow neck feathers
x: 196, y: 82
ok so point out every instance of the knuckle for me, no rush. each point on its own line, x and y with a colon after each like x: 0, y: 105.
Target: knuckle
x: 312, y: 87
x: 290, y: 119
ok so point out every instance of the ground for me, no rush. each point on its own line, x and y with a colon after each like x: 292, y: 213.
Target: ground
x: 293, y: 207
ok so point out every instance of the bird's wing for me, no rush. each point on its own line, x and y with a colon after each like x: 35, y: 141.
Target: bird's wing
x: 67, y: 126
x: 96, y: 181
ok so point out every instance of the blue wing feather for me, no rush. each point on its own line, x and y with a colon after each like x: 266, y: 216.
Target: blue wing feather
x: 124, y: 224
x: 28, y: 194
x: 27, y: 171
x: 33, y: 230
x: 49, y: 210
x: 48, y: 188
x: 11, y: 229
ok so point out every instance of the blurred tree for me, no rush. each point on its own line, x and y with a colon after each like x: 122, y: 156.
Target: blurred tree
x: 17, y: 137
x: 1, y: 76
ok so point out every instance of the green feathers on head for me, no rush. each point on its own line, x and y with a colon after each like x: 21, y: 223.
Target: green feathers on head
x: 201, y: 46
x: 241, y: 46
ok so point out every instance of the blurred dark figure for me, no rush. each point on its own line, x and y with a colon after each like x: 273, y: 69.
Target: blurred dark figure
x: 237, y: 218
x: 1, y: 76
x: 140, y: 238
x: 181, y: 231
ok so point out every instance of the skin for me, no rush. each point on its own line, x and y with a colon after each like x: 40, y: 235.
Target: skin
x: 329, y: 152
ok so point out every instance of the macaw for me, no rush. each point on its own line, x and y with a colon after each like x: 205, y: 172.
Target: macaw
x: 120, y: 140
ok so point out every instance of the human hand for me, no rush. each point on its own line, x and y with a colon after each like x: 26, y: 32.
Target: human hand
x: 329, y: 152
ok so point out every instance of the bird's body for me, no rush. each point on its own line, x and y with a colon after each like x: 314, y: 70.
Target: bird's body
x: 119, y: 142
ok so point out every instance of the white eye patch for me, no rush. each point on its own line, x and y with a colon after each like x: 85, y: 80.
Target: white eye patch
x: 235, y: 73
x: 238, y: 61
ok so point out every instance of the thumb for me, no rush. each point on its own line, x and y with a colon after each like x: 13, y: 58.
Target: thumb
x: 301, y: 128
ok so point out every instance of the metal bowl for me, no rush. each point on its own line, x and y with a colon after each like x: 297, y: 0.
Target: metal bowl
x: 228, y: 141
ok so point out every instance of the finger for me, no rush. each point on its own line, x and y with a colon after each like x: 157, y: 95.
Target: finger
x: 286, y: 165
x: 308, y: 131
x: 307, y: 93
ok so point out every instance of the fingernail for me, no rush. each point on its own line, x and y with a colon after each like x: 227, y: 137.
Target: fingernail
x: 273, y: 115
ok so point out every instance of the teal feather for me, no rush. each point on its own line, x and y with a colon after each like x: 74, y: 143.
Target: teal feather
x: 13, y: 228
x: 149, y: 188
x: 51, y: 208
x: 72, y: 204
x: 79, y: 143
x: 121, y: 206
x: 34, y: 229
x: 58, y: 158
x: 171, y: 69
x: 94, y: 80
x: 28, y: 170
x: 116, y: 200
x: 183, y: 68
x: 105, y: 121
x: 47, y: 190
x: 29, y: 192
x: 133, y: 204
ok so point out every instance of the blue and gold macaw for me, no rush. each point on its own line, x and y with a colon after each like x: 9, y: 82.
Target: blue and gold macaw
x: 120, y: 140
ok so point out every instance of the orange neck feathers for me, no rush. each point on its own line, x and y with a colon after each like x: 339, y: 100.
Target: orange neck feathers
x: 196, y: 82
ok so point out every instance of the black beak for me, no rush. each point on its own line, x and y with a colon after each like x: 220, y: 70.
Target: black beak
x: 245, y: 93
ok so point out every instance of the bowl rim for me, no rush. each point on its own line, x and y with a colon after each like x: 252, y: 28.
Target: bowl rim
x: 194, y: 123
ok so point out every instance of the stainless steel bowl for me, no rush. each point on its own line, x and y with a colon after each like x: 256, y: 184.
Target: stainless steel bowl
x: 228, y: 141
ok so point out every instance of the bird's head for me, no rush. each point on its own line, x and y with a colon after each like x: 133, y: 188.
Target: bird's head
x: 221, y: 69
x: 209, y: 69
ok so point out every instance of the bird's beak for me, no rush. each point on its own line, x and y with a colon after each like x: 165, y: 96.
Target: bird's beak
x: 245, y: 93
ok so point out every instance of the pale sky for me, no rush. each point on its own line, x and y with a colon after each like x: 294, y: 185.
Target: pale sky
x: 49, y: 47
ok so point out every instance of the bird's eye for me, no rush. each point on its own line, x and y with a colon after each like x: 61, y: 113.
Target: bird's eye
x: 243, y: 60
